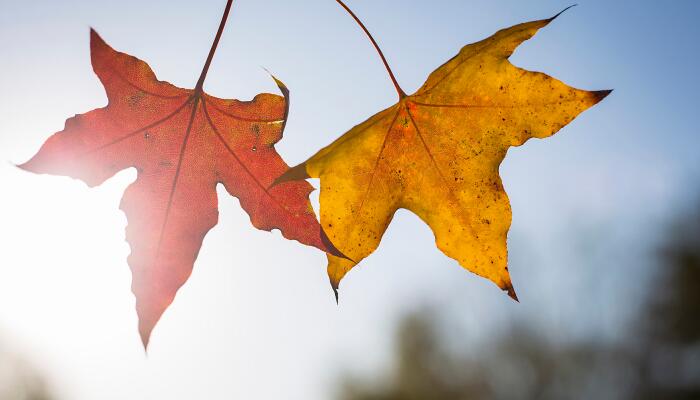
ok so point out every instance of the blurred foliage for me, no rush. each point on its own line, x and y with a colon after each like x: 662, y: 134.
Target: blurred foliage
x: 659, y: 358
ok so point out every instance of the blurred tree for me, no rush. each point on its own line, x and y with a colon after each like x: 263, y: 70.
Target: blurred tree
x: 670, y: 324
x: 659, y: 360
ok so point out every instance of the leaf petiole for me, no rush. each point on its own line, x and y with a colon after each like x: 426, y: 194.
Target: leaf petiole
x: 400, y: 91
x: 200, y: 83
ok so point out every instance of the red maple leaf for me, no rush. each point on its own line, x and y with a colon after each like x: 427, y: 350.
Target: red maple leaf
x: 182, y: 143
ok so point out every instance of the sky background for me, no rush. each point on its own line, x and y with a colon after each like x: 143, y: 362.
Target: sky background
x: 588, y: 204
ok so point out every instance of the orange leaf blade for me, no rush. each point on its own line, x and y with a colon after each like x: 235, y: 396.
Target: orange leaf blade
x: 183, y: 143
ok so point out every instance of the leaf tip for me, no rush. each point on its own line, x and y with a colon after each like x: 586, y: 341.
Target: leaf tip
x: 281, y: 85
x: 297, y: 173
x: 145, y: 337
x: 28, y: 166
x: 278, y: 82
x: 97, y: 44
x: 22, y: 166
x: 601, y: 94
x: 511, y: 292
x: 145, y: 330
x: 334, y: 285
x: 95, y: 37
x: 561, y: 12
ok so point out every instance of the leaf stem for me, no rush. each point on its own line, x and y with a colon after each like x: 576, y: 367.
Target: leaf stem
x: 400, y: 91
x: 207, y: 64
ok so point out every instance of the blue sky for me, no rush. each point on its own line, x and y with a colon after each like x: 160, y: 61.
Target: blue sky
x: 588, y: 203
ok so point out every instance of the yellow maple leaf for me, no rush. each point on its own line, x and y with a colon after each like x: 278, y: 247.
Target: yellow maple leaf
x: 437, y: 153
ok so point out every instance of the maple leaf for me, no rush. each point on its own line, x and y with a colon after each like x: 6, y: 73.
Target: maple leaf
x: 437, y: 153
x: 182, y: 143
